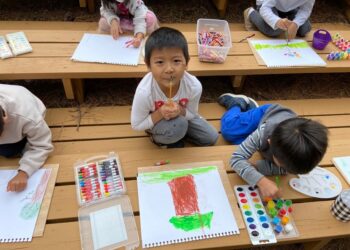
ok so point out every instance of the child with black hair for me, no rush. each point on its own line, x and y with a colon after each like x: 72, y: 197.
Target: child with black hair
x: 288, y: 144
x: 166, y: 100
x: 274, y: 17
x: 23, y: 132
x: 118, y: 16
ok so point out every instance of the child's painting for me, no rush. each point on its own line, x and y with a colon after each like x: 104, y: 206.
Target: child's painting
x: 279, y: 53
x: 19, y: 210
x: 183, y: 205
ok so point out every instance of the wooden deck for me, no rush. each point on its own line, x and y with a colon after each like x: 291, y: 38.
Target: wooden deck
x: 54, y: 43
x: 106, y: 129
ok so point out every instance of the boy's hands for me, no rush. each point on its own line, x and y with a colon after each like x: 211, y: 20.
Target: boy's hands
x: 170, y: 110
x: 289, y: 26
x: 18, y: 183
x: 116, y: 30
x: 268, y: 188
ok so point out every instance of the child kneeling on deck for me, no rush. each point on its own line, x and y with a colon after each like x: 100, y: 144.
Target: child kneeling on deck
x: 288, y: 144
x: 166, y: 100
x: 23, y: 132
x: 273, y: 17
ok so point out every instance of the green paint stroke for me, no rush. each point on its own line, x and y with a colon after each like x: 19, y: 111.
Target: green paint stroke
x: 192, y: 222
x: 300, y: 45
x: 159, y: 177
x: 30, y: 210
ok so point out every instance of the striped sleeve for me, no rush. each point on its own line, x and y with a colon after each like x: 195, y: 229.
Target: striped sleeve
x: 240, y: 158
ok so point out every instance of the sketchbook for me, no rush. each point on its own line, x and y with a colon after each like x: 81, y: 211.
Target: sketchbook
x: 342, y: 163
x: 277, y: 53
x: 182, y: 205
x: 19, y: 211
x: 104, y: 49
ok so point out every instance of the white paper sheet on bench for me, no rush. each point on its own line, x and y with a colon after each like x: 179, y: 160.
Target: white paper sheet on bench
x: 19, y: 210
x: 277, y: 53
x: 104, y: 49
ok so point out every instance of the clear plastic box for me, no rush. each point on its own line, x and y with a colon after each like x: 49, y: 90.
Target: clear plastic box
x: 109, y: 224
x: 215, y: 54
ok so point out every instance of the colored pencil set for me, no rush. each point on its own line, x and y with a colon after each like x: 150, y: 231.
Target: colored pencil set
x: 98, y: 180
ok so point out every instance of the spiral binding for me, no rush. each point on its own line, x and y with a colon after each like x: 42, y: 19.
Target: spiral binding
x: 13, y: 240
x: 182, y: 240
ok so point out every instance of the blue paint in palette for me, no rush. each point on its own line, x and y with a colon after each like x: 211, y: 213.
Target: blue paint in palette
x: 254, y: 215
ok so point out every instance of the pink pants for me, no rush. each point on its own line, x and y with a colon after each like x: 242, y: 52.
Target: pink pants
x: 127, y: 24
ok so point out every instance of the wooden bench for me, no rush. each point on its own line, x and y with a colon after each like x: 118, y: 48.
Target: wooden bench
x: 100, y: 130
x: 54, y: 43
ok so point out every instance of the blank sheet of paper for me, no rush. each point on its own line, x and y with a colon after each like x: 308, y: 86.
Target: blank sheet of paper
x: 19, y: 210
x: 104, y: 49
x: 108, y: 227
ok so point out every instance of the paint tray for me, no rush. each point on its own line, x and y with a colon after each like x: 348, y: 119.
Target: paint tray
x: 98, y: 178
x: 108, y: 224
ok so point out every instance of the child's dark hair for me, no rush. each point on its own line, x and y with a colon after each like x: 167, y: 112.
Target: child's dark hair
x: 2, y: 115
x: 299, y: 144
x: 165, y: 37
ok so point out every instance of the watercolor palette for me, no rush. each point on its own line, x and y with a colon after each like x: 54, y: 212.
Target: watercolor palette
x: 319, y: 183
x: 259, y: 228
x: 99, y: 180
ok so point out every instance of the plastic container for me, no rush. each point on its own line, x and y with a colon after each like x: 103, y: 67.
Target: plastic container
x: 321, y: 39
x: 341, y: 206
x: 206, y: 28
x: 98, y: 177
x: 109, y: 224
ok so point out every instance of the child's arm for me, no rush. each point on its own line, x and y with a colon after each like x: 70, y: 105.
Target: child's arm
x: 36, y: 152
x: 108, y: 14
x: 141, y: 117
x: 240, y: 159
x: 191, y: 108
x: 304, y: 13
x: 139, y: 11
x: 267, y: 14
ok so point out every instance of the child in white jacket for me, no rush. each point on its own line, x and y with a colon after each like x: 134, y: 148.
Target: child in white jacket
x: 23, y: 131
x: 118, y: 16
x: 273, y: 17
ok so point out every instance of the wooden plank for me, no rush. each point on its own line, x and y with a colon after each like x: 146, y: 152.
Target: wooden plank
x: 323, y: 109
x: 58, y: 68
x: 66, y: 206
x: 309, y: 217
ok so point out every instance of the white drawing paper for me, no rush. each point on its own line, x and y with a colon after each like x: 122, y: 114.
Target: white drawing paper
x: 19, y: 210
x: 343, y: 165
x: 277, y: 53
x: 104, y: 49
x: 169, y: 200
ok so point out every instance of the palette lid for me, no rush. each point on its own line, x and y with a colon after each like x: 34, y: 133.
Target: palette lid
x: 108, y: 224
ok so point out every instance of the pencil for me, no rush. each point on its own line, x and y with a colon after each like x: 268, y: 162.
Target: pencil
x: 287, y: 37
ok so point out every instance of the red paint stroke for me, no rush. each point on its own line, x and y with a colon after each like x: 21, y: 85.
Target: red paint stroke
x: 40, y: 191
x: 185, y: 198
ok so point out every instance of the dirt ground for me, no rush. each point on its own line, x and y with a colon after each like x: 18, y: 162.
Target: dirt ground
x: 103, y: 92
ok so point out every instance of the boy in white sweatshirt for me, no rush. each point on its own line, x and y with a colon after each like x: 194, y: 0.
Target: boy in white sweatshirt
x: 23, y: 131
x: 273, y: 17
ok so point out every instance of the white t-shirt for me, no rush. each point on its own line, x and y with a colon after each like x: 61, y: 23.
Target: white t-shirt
x: 149, y: 97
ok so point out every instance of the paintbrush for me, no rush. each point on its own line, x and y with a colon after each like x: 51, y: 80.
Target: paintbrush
x: 287, y: 38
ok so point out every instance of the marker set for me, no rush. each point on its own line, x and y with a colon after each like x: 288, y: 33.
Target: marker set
x: 98, y: 180
x: 259, y: 228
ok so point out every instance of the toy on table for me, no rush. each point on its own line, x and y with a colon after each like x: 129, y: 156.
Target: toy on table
x: 321, y: 39
x: 343, y: 45
x: 319, y: 183
x: 98, y: 180
x: 280, y: 212
x: 213, y: 40
x: 259, y: 229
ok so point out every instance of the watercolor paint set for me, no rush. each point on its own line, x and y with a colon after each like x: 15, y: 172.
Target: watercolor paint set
x: 281, y: 219
x: 99, y: 178
x: 255, y: 217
